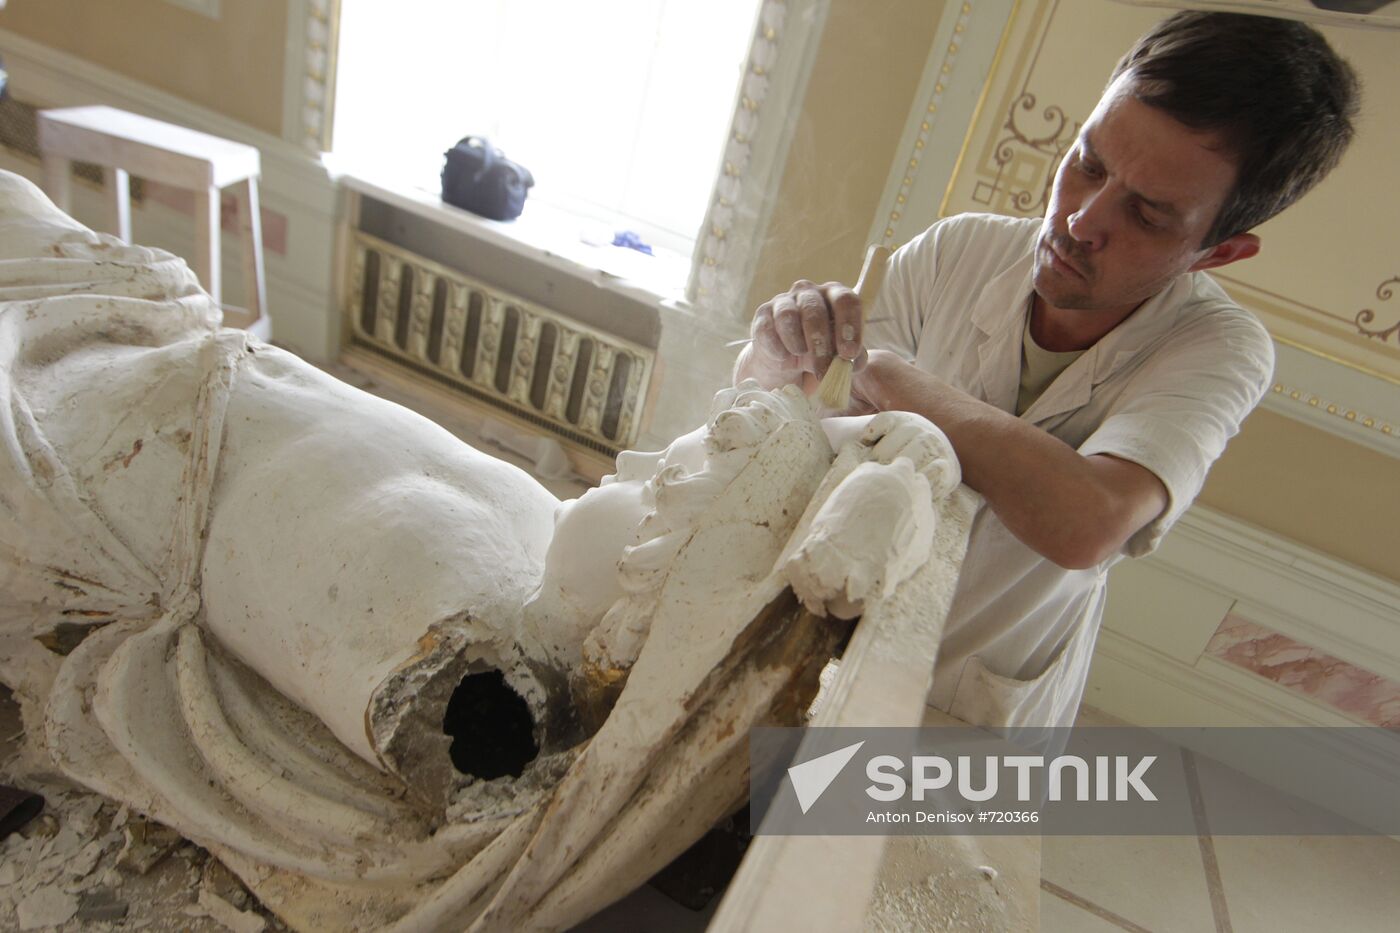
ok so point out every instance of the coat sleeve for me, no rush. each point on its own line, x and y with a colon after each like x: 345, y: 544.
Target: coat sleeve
x: 1182, y: 406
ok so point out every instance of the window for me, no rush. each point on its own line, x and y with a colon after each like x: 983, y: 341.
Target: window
x: 620, y: 108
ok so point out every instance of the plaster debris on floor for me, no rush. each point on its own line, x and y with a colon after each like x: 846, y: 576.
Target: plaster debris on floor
x: 86, y: 863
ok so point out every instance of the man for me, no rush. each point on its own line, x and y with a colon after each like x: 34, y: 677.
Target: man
x: 1085, y: 369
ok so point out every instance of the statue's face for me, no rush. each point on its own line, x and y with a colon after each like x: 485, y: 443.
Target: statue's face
x: 591, y: 531
x: 589, y: 535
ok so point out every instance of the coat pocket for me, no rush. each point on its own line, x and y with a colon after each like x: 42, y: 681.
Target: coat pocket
x: 985, y: 698
x: 1051, y: 699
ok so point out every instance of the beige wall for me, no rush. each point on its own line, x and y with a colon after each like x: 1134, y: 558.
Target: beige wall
x: 867, y: 70
x: 1313, y: 487
x: 232, y: 65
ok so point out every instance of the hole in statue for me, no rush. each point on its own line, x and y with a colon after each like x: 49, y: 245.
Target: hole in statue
x: 492, y: 731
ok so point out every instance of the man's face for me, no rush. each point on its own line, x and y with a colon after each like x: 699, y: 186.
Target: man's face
x: 1131, y: 203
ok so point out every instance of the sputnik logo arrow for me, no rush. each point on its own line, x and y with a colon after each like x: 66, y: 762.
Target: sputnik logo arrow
x: 811, y: 778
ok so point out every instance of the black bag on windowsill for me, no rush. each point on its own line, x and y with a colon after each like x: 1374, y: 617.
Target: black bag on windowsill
x: 479, y: 178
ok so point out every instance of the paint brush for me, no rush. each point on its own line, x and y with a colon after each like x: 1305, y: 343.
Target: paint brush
x: 835, y: 388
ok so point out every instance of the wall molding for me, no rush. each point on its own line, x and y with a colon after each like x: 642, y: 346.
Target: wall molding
x: 784, y: 50
x: 1149, y: 676
x: 1336, y: 397
x: 308, y: 82
x: 964, y: 53
x: 1146, y: 688
x: 1297, y: 591
x: 47, y: 77
x: 1212, y: 566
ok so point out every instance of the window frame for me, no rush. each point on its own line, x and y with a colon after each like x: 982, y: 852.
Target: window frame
x: 779, y: 63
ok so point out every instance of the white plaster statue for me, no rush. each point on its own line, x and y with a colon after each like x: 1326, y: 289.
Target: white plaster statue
x: 388, y: 679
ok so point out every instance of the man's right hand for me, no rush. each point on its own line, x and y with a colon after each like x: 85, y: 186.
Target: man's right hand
x: 795, y: 334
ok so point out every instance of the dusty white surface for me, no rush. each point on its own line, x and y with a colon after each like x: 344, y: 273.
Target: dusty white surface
x: 961, y: 884
x: 82, y: 846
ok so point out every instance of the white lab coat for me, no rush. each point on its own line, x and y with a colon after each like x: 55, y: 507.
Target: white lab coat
x: 1165, y: 389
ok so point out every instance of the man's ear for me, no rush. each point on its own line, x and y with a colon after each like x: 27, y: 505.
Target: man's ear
x: 1240, y: 246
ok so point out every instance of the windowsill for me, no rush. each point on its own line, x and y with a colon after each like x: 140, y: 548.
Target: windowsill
x: 542, y: 233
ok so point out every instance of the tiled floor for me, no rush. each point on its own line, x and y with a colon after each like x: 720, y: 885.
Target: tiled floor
x: 1218, y: 884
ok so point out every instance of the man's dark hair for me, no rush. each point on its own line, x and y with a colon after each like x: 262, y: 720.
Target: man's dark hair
x: 1273, y: 88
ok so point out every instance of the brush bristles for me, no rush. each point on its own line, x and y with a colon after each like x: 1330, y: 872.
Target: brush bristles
x: 835, y: 388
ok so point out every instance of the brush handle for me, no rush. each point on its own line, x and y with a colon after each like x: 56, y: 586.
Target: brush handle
x: 872, y: 273
x: 872, y: 276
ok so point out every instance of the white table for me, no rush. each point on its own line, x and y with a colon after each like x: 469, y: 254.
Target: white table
x: 126, y: 144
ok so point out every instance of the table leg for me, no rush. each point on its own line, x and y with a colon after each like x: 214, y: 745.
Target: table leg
x: 118, y: 184
x: 250, y: 222
x: 206, y: 242
x: 58, y: 180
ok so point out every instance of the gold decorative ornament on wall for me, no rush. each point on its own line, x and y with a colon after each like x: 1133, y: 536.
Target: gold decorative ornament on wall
x: 1027, y: 160
x: 1312, y: 400
x: 1366, y: 315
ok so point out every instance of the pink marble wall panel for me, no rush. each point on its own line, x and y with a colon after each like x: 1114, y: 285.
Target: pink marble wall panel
x: 274, y: 225
x: 1306, y: 670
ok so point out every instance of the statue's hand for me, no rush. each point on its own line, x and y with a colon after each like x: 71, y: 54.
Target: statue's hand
x: 872, y: 533
x: 896, y: 434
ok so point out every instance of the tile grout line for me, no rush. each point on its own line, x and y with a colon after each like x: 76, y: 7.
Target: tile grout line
x: 1214, y: 884
x: 1103, y: 913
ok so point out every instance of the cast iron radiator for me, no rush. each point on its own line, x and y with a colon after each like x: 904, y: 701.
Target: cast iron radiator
x: 559, y: 374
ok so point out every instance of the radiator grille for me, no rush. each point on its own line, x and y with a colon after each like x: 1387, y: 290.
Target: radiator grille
x: 581, y: 383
